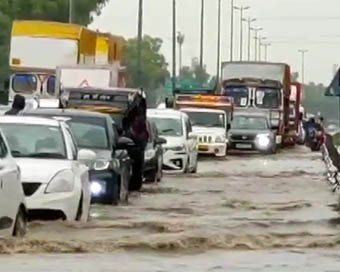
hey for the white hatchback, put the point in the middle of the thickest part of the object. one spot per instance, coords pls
(54, 174)
(13, 213)
(180, 151)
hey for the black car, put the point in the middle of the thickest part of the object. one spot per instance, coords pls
(110, 174)
(153, 156)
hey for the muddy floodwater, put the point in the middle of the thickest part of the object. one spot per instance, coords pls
(243, 213)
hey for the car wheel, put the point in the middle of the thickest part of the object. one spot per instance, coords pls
(194, 170)
(160, 170)
(20, 227)
(80, 208)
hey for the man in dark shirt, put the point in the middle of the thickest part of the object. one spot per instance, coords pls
(18, 105)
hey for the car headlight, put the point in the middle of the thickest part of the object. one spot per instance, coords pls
(149, 154)
(219, 140)
(263, 140)
(97, 188)
(101, 165)
(61, 183)
(177, 148)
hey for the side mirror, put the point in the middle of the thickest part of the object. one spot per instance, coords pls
(161, 141)
(191, 136)
(125, 143)
(86, 157)
(228, 127)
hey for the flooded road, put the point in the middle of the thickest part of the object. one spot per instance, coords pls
(244, 213)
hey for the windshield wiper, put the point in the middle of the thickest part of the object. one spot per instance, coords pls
(168, 130)
(46, 155)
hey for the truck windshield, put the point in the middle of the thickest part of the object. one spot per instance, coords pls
(207, 119)
(24, 83)
(240, 95)
(249, 122)
(267, 98)
(168, 126)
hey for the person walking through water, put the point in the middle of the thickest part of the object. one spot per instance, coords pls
(18, 105)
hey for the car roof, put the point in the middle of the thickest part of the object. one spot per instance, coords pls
(66, 112)
(165, 113)
(202, 110)
(9, 119)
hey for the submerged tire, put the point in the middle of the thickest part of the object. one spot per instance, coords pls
(20, 227)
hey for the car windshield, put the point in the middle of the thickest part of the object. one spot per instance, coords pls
(240, 95)
(168, 126)
(207, 119)
(267, 98)
(90, 132)
(35, 141)
(249, 122)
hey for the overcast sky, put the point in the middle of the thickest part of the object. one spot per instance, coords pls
(289, 24)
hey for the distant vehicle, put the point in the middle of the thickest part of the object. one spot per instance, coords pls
(260, 87)
(251, 132)
(180, 151)
(38, 47)
(153, 161)
(210, 128)
(13, 212)
(55, 174)
(97, 132)
(209, 115)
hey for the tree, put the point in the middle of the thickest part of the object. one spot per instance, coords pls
(52, 10)
(154, 65)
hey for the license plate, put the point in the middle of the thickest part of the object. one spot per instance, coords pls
(203, 148)
(244, 146)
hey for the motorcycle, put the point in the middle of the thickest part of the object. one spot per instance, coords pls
(316, 138)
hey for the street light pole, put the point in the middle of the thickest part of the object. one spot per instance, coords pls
(232, 31)
(180, 41)
(256, 30)
(249, 21)
(139, 42)
(173, 45)
(303, 52)
(70, 11)
(202, 34)
(260, 45)
(266, 45)
(241, 9)
(218, 43)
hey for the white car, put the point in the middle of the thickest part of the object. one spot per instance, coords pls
(210, 128)
(180, 151)
(54, 174)
(13, 213)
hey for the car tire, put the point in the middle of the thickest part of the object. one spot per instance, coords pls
(159, 170)
(80, 208)
(20, 227)
(194, 170)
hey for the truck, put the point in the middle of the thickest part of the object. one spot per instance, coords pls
(37, 48)
(261, 88)
(210, 116)
(295, 115)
